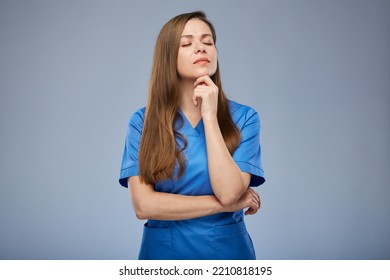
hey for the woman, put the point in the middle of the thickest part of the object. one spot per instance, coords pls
(191, 154)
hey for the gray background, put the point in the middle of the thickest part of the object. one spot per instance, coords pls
(72, 73)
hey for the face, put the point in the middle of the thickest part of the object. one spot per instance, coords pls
(197, 55)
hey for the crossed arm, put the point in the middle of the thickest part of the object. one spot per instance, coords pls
(149, 204)
(229, 184)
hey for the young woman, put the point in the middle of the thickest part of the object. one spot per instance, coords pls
(191, 154)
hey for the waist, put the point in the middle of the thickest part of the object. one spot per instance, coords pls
(219, 219)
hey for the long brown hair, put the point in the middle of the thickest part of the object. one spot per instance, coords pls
(159, 149)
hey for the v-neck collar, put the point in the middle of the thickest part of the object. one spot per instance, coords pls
(198, 128)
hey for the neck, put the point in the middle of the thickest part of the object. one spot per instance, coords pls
(186, 88)
(187, 106)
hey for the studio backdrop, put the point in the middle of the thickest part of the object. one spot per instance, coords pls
(318, 73)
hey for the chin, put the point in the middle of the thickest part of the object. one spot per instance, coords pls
(204, 73)
(197, 74)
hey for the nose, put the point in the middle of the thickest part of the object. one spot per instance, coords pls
(199, 48)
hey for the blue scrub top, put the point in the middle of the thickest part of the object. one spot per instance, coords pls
(218, 236)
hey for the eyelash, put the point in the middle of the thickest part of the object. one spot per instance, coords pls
(189, 44)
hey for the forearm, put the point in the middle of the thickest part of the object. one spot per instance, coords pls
(149, 204)
(165, 206)
(225, 176)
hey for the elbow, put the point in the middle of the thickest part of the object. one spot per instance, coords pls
(227, 200)
(140, 213)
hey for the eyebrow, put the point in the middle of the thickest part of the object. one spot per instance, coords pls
(192, 36)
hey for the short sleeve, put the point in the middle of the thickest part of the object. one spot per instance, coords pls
(129, 165)
(248, 153)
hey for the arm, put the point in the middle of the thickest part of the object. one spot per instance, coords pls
(149, 204)
(227, 180)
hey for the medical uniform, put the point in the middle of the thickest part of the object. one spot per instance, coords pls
(218, 236)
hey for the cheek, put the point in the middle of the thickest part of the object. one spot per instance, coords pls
(182, 60)
(179, 65)
(215, 63)
(214, 56)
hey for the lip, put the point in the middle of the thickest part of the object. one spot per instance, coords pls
(202, 60)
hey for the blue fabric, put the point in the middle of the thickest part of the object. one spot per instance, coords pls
(218, 236)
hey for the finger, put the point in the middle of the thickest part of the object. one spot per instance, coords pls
(257, 205)
(204, 80)
(256, 195)
(197, 97)
(250, 211)
(256, 201)
(259, 199)
(201, 84)
(195, 100)
(253, 206)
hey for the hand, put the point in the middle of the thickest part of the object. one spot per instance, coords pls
(253, 208)
(206, 95)
(250, 199)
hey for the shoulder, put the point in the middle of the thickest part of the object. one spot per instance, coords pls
(137, 119)
(242, 113)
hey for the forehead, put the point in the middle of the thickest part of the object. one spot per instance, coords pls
(196, 27)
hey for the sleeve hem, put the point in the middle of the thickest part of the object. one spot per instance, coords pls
(126, 173)
(257, 177)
